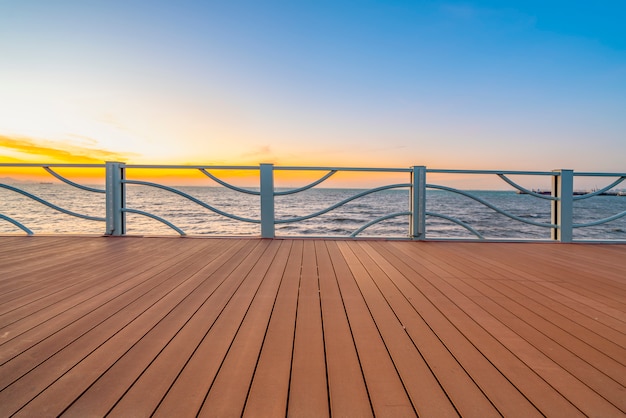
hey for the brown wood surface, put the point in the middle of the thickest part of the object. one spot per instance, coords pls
(95, 326)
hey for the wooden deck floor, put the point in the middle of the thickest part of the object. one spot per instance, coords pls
(230, 327)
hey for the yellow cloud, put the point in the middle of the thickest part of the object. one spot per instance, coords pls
(26, 149)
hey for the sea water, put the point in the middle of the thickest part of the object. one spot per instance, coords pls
(194, 219)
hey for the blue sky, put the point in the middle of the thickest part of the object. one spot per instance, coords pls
(531, 85)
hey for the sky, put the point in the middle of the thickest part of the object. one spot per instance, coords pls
(494, 85)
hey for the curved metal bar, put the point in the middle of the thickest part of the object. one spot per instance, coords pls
(53, 206)
(193, 199)
(16, 223)
(308, 186)
(71, 183)
(489, 205)
(343, 202)
(601, 221)
(597, 192)
(377, 220)
(458, 222)
(525, 190)
(155, 217)
(228, 185)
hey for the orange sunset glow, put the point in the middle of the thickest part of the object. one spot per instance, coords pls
(440, 84)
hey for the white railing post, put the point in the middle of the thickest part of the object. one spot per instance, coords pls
(115, 199)
(417, 202)
(563, 206)
(267, 200)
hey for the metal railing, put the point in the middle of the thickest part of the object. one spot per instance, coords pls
(562, 198)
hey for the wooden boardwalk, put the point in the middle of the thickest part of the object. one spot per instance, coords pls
(93, 326)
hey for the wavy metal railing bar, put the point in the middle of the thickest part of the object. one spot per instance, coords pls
(377, 220)
(601, 221)
(193, 199)
(71, 183)
(561, 209)
(51, 205)
(158, 218)
(16, 223)
(343, 202)
(491, 206)
(458, 222)
(307, 187)
(603, 190)
(228, 185)
(525, 190)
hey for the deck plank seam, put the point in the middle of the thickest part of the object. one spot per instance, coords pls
(447, 347)
(111, 337)
(345, 248)
(115, 297)
(261, 282)
(565, 351)
(345, 312)
(483, 329)
(121, 282)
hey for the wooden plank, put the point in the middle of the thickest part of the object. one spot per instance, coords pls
(610, 341)
(386, 391)
(593, 348)
(580, 395)
(29, 254)
(227, 396)
(161, 373)
(591, 302)
(308, 395)
(85, 360)
(346, 386)
(610, 295)
(442, 345)
(189, 388)
(208, 325)
(43, 320)
(426, 366)
(603, 375)
(551, 278)
(54, 336)
(561, 322)
(269, 390)
(598, 323)
(54, 266)
(410, 260)
(111, 386)
(148, 391)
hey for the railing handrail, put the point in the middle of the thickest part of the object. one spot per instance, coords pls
(509, 172)
(562, 195)
(320, 168)
(52, 165)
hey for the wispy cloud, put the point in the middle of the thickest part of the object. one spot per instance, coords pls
(263, 152)
(30, 149)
